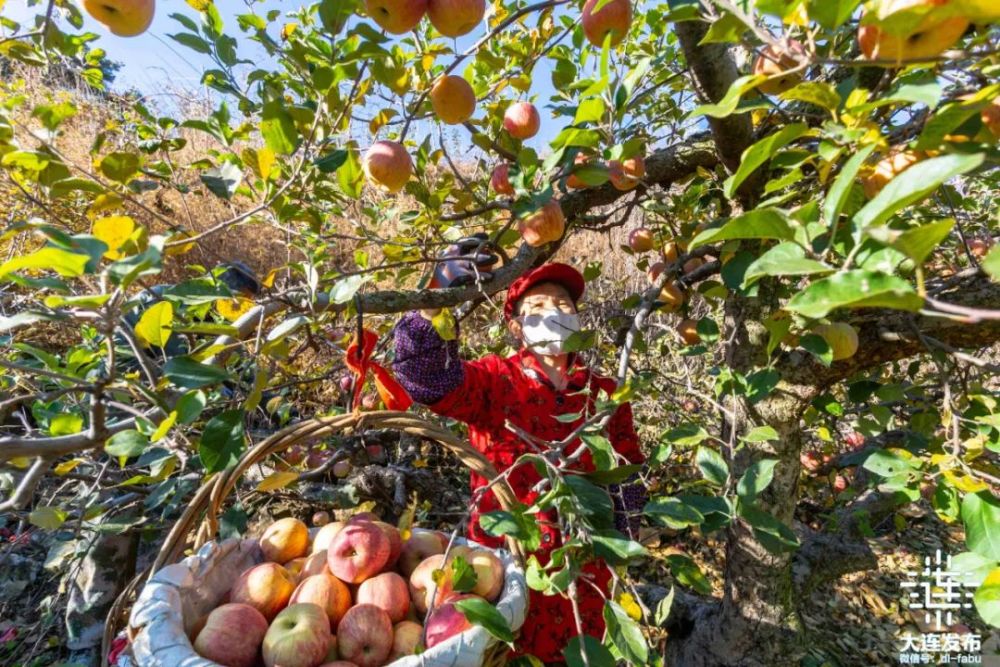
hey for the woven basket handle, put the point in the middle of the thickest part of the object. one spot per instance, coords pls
(209, 499)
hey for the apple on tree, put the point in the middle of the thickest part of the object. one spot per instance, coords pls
(396, 16)
(841, 337)
(544, 225)
(521, 120)
(454, 18)
(614, 17)
(626, 174)
(500, 180)
(775, 61)
(125, 18)
(640, 240)
(453, 99)
(930, 37)
(388, 164)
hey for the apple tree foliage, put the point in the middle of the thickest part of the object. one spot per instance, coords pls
(789, 196)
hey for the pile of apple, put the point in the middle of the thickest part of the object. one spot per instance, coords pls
(354, 594)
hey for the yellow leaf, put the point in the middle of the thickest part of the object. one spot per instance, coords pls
(380, 119)
(288, 30)
(265, 161)
(427, 61)
(67, 466)
(630, 606)
(268, 281)
(200, 5)
(965, 483)
(823, 433)
(277, 480)
(164, 427)
(21, 462)
(179, 249)
(405, 524)
(102, 203)
(521, 82)
(233, 309)
(153, 327)
(114, 231)
(797, 16)
(419, 463)
(49, 518)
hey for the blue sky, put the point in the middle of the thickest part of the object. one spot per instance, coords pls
(155, 64)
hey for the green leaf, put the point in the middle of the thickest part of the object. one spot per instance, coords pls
(463, 575)
(68, 264)
(153, 328)
(590, 111)
(673, 513)
(47, 518)
(712, 465)
(190, 406)
(517, 524)
(687, 573)
(817, 346)
(784, 259)
(990, 264)
(120, 166)
(614, 475)
(981, 516)
(615, 548)
(916, 243)
(222, 181)
(840, 191)
(773, 534)
(65, 424)
(762, 151)
(987, 599)
(278, 128)
(913, 185)
(481, 612)
(727, 105)
(597, 654)
(222, 441)
(761, 434)
(193, 42)
(756, 478)
(126, 443)
(832, 13)
(332, 161)
(625, 634)
(594, 501)
(726, 30)
(855, 289)
(686, 435)
(973, 567)
(188, 373)
(765, 223)
(885, 463)
(601, 450)
(818, 93)
(350, 176)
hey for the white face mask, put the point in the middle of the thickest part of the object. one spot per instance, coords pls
(548, 331)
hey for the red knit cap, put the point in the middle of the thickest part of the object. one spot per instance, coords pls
(555, 272)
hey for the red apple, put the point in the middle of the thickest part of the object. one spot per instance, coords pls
(574, 182)
(347, 383)
(691, 265)
(314, 564)
(614, 17)
(325, 535)
(522, 120)
(654, 271)
(359, 551)
(839, 483)
(544, 225)
(422, 543)
(232, 635)
(320, 519)
(396, 16)
(387, 591)
(489, 573)
(423, 588)
(342, 469)
(363, 516)
(284, 540)
(328, 592)
(389, 165)
(298, 637)
(626, 174)
(405, 639)
(364, 636)
(500, 179)
(640, 240)
(688, 331)
(447, 621)
(454, 18)
(452, 98)
(265, 587)
(927, 39)
(776, 59)
(395, 543)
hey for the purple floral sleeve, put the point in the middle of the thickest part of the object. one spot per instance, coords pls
(628, 499)
(427, 366)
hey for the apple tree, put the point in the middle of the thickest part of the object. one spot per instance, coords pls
(817, 188)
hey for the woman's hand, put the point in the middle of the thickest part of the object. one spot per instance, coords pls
(467, 258)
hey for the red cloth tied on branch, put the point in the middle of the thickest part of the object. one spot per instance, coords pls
(390, 391)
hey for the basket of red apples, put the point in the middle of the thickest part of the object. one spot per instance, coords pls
(356, 592)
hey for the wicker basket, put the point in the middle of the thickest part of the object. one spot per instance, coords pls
(172, 599)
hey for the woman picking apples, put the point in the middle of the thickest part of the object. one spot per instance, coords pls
(530, 389)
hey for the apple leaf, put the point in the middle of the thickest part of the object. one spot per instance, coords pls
(855, 289)
(463, 575)
(481, 612)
